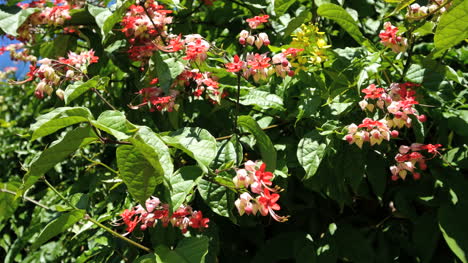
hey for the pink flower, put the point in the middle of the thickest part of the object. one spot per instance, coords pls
(257, 20)
(389, 38)
(244, 204)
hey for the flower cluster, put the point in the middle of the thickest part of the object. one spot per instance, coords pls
(369, 131)
(18, 52)
(196, 48)
(390, 38)
(434, 7)
(259, 40)
(144, 25)
(256, 21)
(307, 48)
(52, 16)
(182, 218)
(398, 102)
(53, 72)
(255, 177)
(6, 72)
(409, 160)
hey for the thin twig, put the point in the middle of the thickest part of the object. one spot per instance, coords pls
(26, 198)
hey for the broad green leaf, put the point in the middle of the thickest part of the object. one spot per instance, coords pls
(196, 142)
(115, 17)
(267, 150)
(217, 197)
(452, 223)
(101, 14)
(12, 18)
(149, 258)
(58, 151)
(58, 226)
(8, 204)
(189, 250)
(154, 150)
(310, 152)
(376, 171)
(167, 69)
(137, 172)
(418, 128)
(262, 99)
(281, 6)
(115, 123)
(339, 15)
(182, 183)
(453, 27)
(226, 153)
(58, 119)
(76, 89)
(302, 18)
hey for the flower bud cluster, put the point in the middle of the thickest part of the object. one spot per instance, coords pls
(307, 48)
(417, 12)
(142, 25)
(259, 40)
(398, 102)
(183, 218)
(199, 84)
(390, 38)
(369, 131)
(255, 177)
(52, 72)
(18, 52)
(52, 16)
(410, 160)
(7, 71)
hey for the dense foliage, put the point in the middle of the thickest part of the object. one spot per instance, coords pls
(235, 131)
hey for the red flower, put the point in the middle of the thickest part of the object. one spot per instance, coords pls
(372, 92)
(257, 20)
(127, 218)
(262, 176)
(197, 220)
(268, 201)
(235, 66)
(431, 148)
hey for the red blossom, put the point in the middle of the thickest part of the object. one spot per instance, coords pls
(263, 176)
(257, 20)
(431, 148)
(235, 66)
(372, 92)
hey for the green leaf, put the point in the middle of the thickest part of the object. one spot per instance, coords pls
(453, 27)
(310, 152)
(116, 16)
(8, 204)
(376, 171)
(148, 258)
(189, 250)
(115, 123)
(418, 128)
(262, 99)
(267, 150)
(302, 18)
(167, 69)
(339, 15)
(154, 150)
(281, 6)
(138, 174)
(58, 119)
(196, 142)
(12, 18)
(57, 226)
(100, 14)
(58, 151)
(76, 89)
(217, 197)
(452, 223)
(182, 183)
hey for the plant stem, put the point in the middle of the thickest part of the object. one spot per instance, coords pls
(87, 217)
(410, 54)
(58, 193)
(117, 235)
(26, 198)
